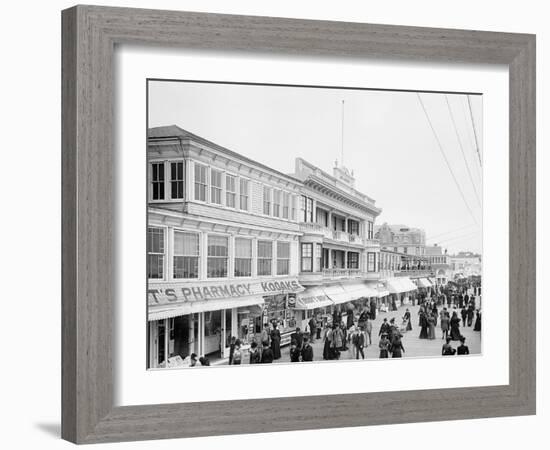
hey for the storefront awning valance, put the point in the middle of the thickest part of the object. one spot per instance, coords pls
(398, 285)
(169, 293)
(424, 283)
(159, 312)
(312, 298)
(172, 299)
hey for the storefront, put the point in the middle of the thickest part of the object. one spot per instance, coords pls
(399, 289)
(202, 318)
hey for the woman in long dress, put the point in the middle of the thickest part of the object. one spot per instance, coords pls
(431, 327)
(328, 342)
(477, 324)
(397, 348)
(276, 342)
(444, 320)
(455, 327)
(384, 346)
(407, 318)
(423, 326)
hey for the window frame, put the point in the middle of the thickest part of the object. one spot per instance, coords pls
(279, 259)
(217, 188)
(369, 262)
(229, 193)
(263, 258)
(302, 257)
(162, 182)
(250, 242)
(209, 257)
(171, 180)
(245, 195)
(174, 255)
(196, 183)
(162, 254)
(267, 192)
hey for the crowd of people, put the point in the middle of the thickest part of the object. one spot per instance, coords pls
(450, 310)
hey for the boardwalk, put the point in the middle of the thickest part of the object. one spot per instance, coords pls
(414, 347)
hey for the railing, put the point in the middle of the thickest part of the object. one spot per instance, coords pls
(422, 272)
(337, 235)
(337, 272)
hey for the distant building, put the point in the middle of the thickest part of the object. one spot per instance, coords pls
(403, 239)
(440, 263)
(465, 264)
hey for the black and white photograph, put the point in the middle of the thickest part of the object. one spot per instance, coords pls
(311, 224)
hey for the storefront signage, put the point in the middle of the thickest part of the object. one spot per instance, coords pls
(172, 292)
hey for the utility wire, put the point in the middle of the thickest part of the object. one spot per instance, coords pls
(470, 139)
(462, 149)
(449, 232)
(459, 237)
(445, 157)
(474, 128)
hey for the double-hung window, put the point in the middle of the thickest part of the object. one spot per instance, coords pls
(371, 262)
(155, 252)
(283, 258)
(216, 187)
(243, 194)
(370, 230)
(243, 257)
(318, 257)
(286, 205)
(307, 209)
(186, 255)
(267, 200)
(201, 182)
(353, 260)
(276, 203)
(265, 256)
(157, 181)
(307, 258)
(176, 180)
(230, 191)
(217, 256)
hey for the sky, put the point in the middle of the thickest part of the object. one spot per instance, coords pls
(414, 153)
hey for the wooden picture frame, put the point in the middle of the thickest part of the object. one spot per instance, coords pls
(89, 37)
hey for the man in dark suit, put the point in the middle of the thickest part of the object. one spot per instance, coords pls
(297, 337)
(312, 328)
(307, 351)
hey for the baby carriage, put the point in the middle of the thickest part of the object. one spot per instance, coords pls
(403, 326)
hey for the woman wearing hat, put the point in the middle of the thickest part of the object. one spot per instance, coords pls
(384, 345)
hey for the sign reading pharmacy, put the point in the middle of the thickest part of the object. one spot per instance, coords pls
(167, 292)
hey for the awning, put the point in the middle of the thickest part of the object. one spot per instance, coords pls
(398, 285)
(312, 298)
(359, 289)
(379, 288)
(159, 312)
(337, 294)
(424, 283)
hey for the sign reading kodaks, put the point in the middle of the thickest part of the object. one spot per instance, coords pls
(179, 292)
